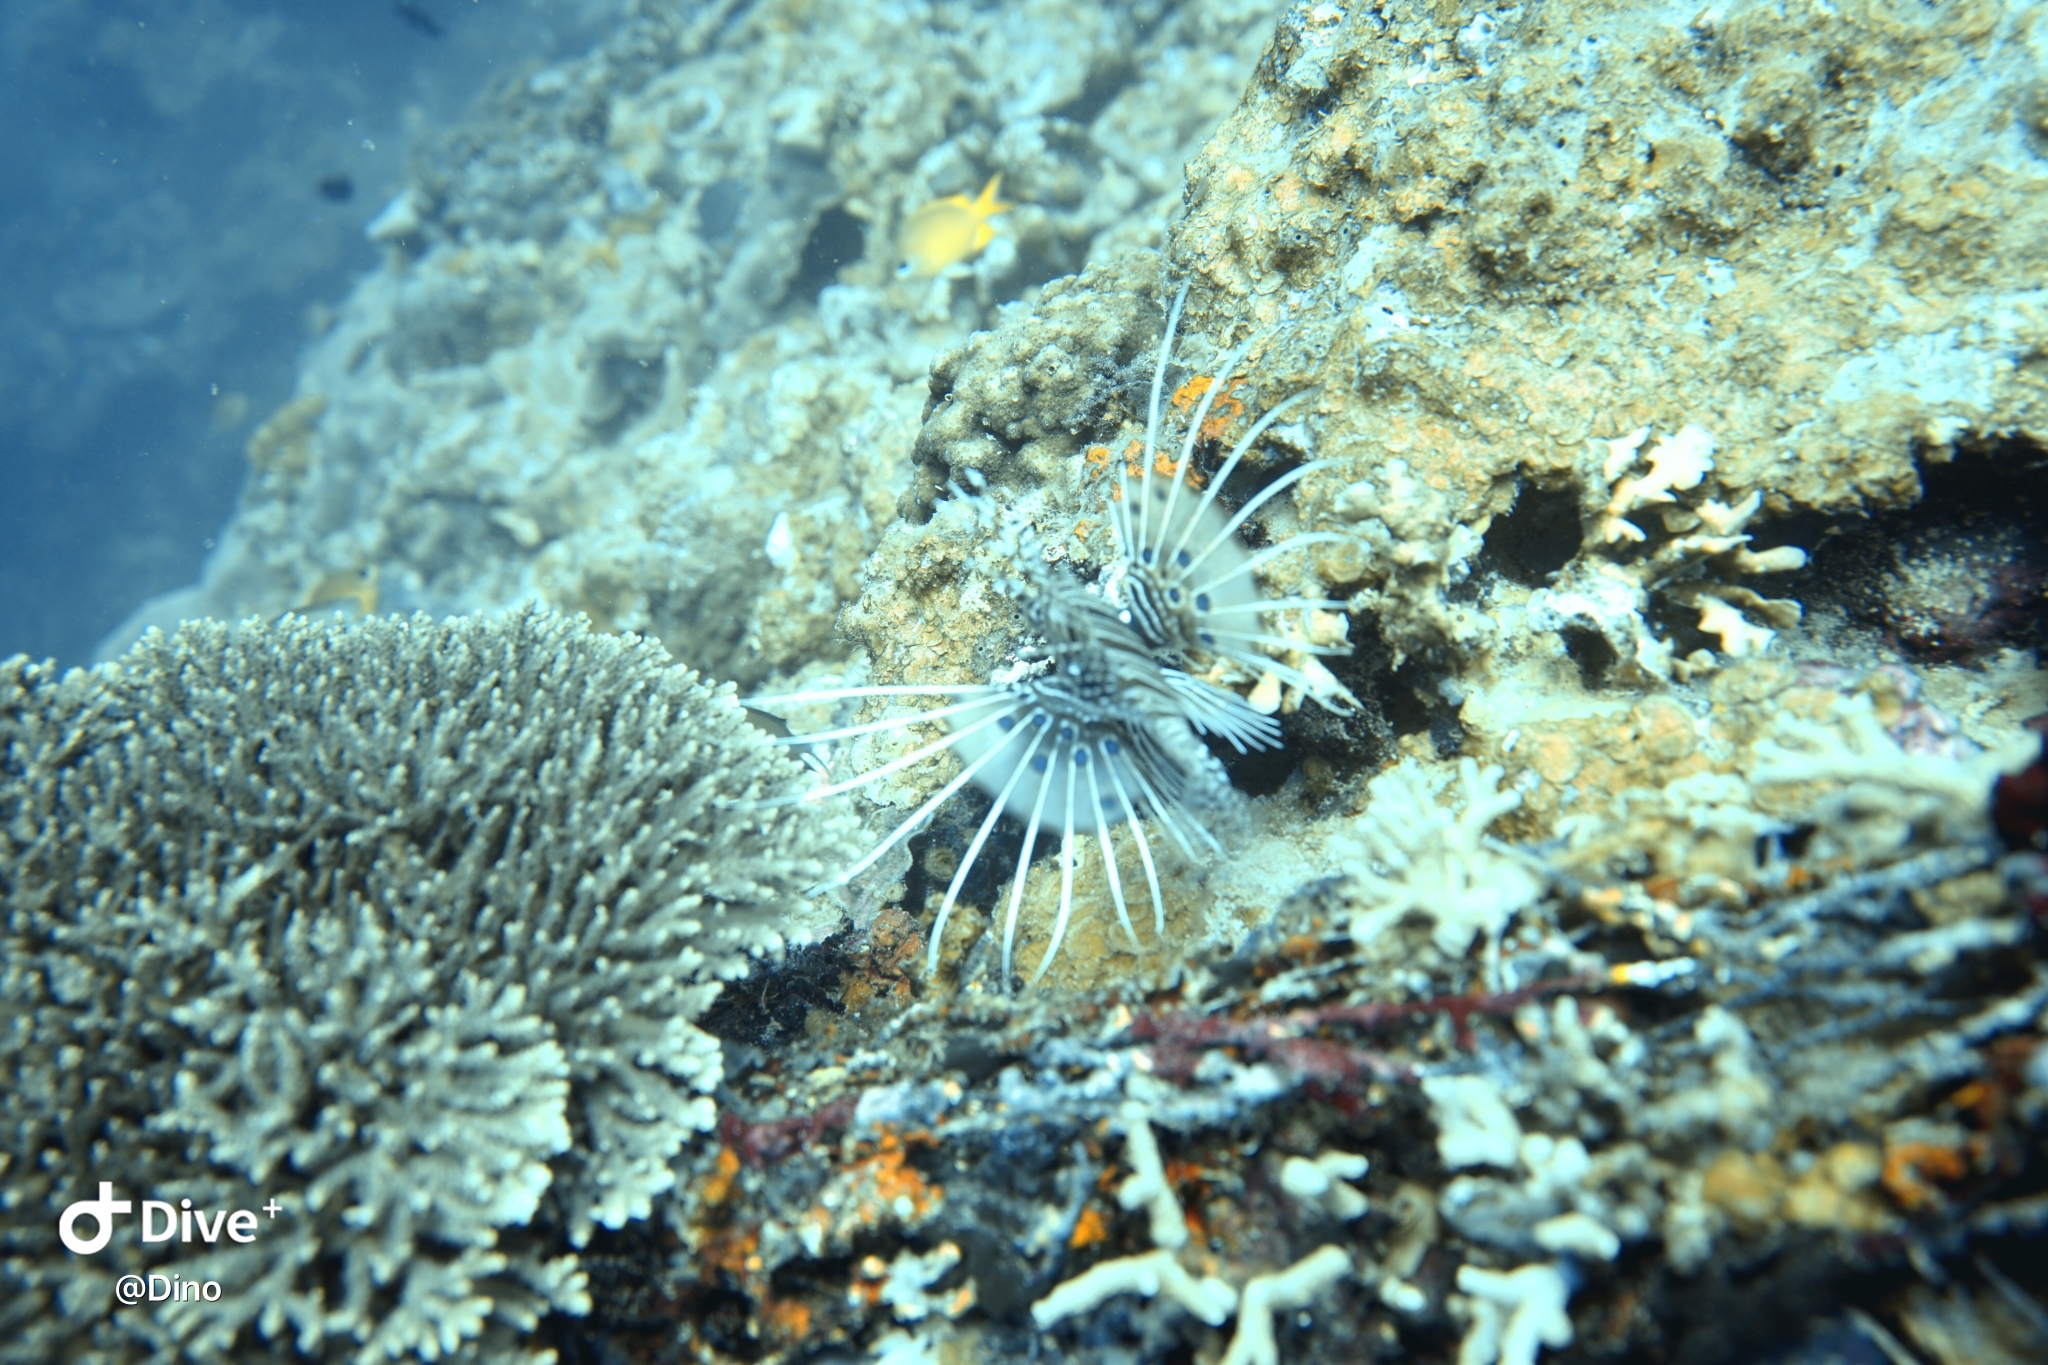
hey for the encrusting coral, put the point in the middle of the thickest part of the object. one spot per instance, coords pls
(401, 925)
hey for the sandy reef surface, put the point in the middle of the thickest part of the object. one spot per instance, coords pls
(1641, 969)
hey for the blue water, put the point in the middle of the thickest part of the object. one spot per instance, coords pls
(166, 227)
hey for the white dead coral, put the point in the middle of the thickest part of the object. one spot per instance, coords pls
(1159, 1274)
(1514, 1313)
(905, 1284)
(1149, 1275)
(1298, 1286)
(1146, 1187)
(1153, 1273)
(1319, 1184)
(1410, 854)
(1474, 1124)
(1414, 549)
(1676, 463)
(1702, 549)
(1867, 796)
(1562, 1197)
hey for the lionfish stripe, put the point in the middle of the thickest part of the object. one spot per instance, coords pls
(961, 779)
(1144, 852)
(1152, 418)
(1258, 500)
(1273, 552)
(1124, 523)
(1293, 677)
(1194, 434)
(1214, 711)
(923, 751)
(989, 696)
(1024, 862)
(843, 693)
(1116, 886)
(1158, 808)
(1281, 642)
(1229, 466)
(1059, 928)
(1282, 604)
(995, 812)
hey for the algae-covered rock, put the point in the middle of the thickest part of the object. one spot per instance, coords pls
(1536, 259)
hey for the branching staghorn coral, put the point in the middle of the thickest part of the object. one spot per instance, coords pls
(1410, 855)
(403, 925)
(1699, 547)
(1869, 796)
(1159, 1273)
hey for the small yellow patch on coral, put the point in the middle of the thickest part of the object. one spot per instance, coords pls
(1134, 465)
(876, 1190)
(718, 1186)
(1224, 410)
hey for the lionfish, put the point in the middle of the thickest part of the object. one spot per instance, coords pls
(1099, 723)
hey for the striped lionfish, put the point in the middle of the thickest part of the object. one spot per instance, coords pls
(1099, 723)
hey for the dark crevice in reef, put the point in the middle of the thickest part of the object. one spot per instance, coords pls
(1393, 702)
(629, 1293)
(1591, 651)
(837, 239)
(935, 855)
(625, 383)
(1743, 1312)
(1068, 122)
(1259, 773)
(767, 1008)
(1956, 577)
(1534, 539)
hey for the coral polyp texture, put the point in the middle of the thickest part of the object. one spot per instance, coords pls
(400, 925)
(1610, 442)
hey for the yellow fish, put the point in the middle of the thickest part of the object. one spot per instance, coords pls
(354, 586)
(948, 231)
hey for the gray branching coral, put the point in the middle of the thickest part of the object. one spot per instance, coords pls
(403, 925)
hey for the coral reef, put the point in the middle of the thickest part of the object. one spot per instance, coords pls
(1653, 923)
(637, 314)
(401, 926)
